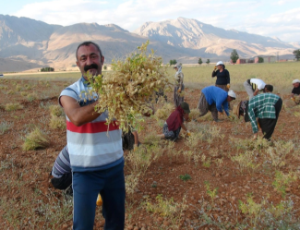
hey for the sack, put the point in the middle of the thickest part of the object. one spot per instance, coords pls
(128, 141)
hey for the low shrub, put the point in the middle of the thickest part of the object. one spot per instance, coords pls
(36, 139)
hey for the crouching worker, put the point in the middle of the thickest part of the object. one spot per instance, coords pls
(215, 99)
(266, 108)
(62, 174)
(175, 122)
(253, 86)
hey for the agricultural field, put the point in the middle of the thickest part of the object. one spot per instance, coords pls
(217, 178)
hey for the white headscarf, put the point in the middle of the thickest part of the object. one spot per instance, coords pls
(179, 68)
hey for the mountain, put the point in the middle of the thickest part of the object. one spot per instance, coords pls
(193, 34)
(27, 43)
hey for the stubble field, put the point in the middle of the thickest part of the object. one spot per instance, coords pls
(218, 178)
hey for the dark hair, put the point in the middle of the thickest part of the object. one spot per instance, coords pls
(269, 88)
(87, 43)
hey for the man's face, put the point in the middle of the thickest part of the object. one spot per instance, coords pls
(89, 60)
(219, 67)
(229, 99)
(296, 85)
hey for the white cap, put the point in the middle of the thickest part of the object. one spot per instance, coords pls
(296, 81)
(231, 94)
(219, 63)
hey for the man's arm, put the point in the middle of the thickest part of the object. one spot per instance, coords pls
(78, 115)
(255, 92)
(228, 77)
(225, 107)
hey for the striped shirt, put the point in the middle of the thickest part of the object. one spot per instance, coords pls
(93, 146)
(262, 106)
(62, 164)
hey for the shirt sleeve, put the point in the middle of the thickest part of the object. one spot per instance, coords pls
(220, 102)
(214, 73)
(68, 92)
(252, 117)
(294, 91)
(225, 107)
(227, 77)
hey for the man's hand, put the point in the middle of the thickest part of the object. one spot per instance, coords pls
(254, 136)
(188, 133)
(228, 86)
(179, 90)
(215, 68)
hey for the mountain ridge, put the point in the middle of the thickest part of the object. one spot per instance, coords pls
(33, 41)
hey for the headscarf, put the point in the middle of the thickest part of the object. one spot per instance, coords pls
(175, 120)
(179, 68)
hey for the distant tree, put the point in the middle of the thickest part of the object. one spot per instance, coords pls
(260, 60)
(105, 67)
(207, 61)
(234, 56)
(297, 54)
(200, 61)
(173, 62)
(47, 69)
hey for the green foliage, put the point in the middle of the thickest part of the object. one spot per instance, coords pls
(36, 139)
(173, 62)
(297, 54)
(13, 106)
(185, 177)
(47, 69)
(211, 192)
(4, 126)
(207, 61)
(282, 181)
(260, 60)
(234, 56)
(105, 67)
(252, 209)
(200, 61)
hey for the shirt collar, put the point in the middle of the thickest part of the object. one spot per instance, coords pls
(84, 82)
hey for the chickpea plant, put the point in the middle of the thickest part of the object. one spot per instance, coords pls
(125, 91)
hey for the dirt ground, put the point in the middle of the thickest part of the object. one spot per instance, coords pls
(28, 201)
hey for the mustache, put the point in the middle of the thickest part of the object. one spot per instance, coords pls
(92, 66)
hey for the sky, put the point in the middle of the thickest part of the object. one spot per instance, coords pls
(273, 18)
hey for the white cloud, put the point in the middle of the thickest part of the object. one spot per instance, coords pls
(253, 16)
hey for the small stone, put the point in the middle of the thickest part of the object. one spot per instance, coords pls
(130, 227)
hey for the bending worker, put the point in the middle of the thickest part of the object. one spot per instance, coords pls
(253, 86)
(214, 99)
(266, 107)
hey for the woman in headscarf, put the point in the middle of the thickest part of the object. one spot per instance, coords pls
(174, 123)
(179, 86)
(223, 77)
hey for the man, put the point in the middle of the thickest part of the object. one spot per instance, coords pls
(214, 99)
(266, 107)
(296, 89)
(223, 76)
(96, 155)
(253, 86)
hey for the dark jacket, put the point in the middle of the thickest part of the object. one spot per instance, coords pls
(223, 78)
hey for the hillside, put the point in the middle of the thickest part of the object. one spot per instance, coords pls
(30, 41)
(193, 34)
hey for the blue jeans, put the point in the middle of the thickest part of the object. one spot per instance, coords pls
(110, 183)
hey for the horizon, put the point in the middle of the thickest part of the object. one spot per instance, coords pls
(279, 19)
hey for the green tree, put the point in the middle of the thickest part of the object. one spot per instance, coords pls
(207, 61)
(297, 54)
(200, 61)
(105, 67)
(47, 69)
(234, 56)
(260, 60)
(173, 62)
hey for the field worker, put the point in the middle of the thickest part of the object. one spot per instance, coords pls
(215, 99)
(95, 149)
(296, 89)
(223, 76)
(253, 86)
(179, 86)
(266, 108)
(175, 122)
